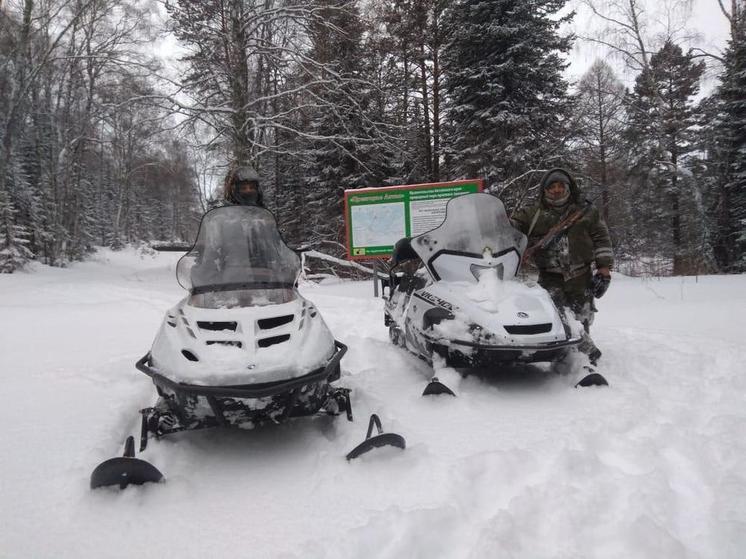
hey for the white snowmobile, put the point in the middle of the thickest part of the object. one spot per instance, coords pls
(242, 349)
(465, 304)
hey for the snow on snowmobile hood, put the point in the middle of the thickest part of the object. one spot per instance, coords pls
(238, 248)
(475, 236)
(241, 345)
(493, 304)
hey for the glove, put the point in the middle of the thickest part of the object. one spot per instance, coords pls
(599, 285)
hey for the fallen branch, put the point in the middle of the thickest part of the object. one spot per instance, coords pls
(337, 261)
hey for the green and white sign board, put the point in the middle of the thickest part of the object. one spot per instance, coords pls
(377, 218)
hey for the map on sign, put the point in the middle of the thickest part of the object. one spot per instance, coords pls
(378, 224)
(378, 217)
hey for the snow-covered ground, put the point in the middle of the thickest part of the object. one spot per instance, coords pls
(516, 466)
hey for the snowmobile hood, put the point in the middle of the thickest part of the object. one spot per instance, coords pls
(504, 312)
(243, 344)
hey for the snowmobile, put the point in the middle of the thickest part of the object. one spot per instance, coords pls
(243, 348)
(463, 304)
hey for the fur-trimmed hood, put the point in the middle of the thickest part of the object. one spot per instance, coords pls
(575, 194)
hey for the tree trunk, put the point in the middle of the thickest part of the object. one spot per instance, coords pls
(436, 92)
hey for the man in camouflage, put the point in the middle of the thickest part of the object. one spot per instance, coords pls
(564, 263)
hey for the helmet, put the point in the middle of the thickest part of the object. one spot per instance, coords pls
(238, 176)
(245, 173)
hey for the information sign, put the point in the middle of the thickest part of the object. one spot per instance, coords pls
(378, 217)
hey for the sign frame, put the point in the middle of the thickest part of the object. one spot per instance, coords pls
(388, 189)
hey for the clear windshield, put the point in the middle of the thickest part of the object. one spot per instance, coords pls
(475, 236)
(238, 248)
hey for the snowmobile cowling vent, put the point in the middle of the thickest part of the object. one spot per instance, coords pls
(233, 343)
(217, 326)
(189, 355)
(266, 342)
(274, 322)
(529, 328)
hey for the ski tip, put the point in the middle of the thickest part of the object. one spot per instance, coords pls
(435, 387)
(379, 440)
(124, 471)
(384, 439)
(593, 379)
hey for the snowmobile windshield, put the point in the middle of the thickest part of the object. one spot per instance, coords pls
(238, 249)
(476, 236)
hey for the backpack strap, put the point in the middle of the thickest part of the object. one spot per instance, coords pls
(533, 222)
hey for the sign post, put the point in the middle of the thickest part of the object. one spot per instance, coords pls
(376, 218)
(375, 279)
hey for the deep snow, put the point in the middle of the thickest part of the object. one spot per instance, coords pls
(516, 466)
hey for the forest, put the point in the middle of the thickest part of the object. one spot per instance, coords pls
(102, 143)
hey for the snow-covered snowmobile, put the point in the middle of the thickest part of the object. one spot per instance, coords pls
(243, 348)
(464, 303)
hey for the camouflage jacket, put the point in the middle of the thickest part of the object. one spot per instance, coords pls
(571, 252)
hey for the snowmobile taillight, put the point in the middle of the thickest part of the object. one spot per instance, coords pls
(217, 326)
(527, 329)
(266, 342)
(274, 322)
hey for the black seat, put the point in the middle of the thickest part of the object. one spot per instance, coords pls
(403, 252)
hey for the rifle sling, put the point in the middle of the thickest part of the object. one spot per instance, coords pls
(562, 226)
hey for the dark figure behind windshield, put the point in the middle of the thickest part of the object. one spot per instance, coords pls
(239, 246)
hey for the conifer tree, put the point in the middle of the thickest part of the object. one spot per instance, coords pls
(349, 147)
(507, 97)
(600, 128)
(14, 238)
(730, 153)
(662, 136)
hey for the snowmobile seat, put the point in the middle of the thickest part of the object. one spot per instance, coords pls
(403, 252)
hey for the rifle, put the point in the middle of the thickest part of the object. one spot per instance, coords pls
(559, 228)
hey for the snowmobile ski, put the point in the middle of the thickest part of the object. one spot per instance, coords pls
(435, 387)
(379, 440)
(125, 470)
(592, 379)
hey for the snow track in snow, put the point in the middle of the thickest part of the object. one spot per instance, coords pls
(520, 465)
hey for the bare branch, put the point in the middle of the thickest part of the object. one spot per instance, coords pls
(725, 12)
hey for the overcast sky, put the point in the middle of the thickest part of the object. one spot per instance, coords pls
(706, 28)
